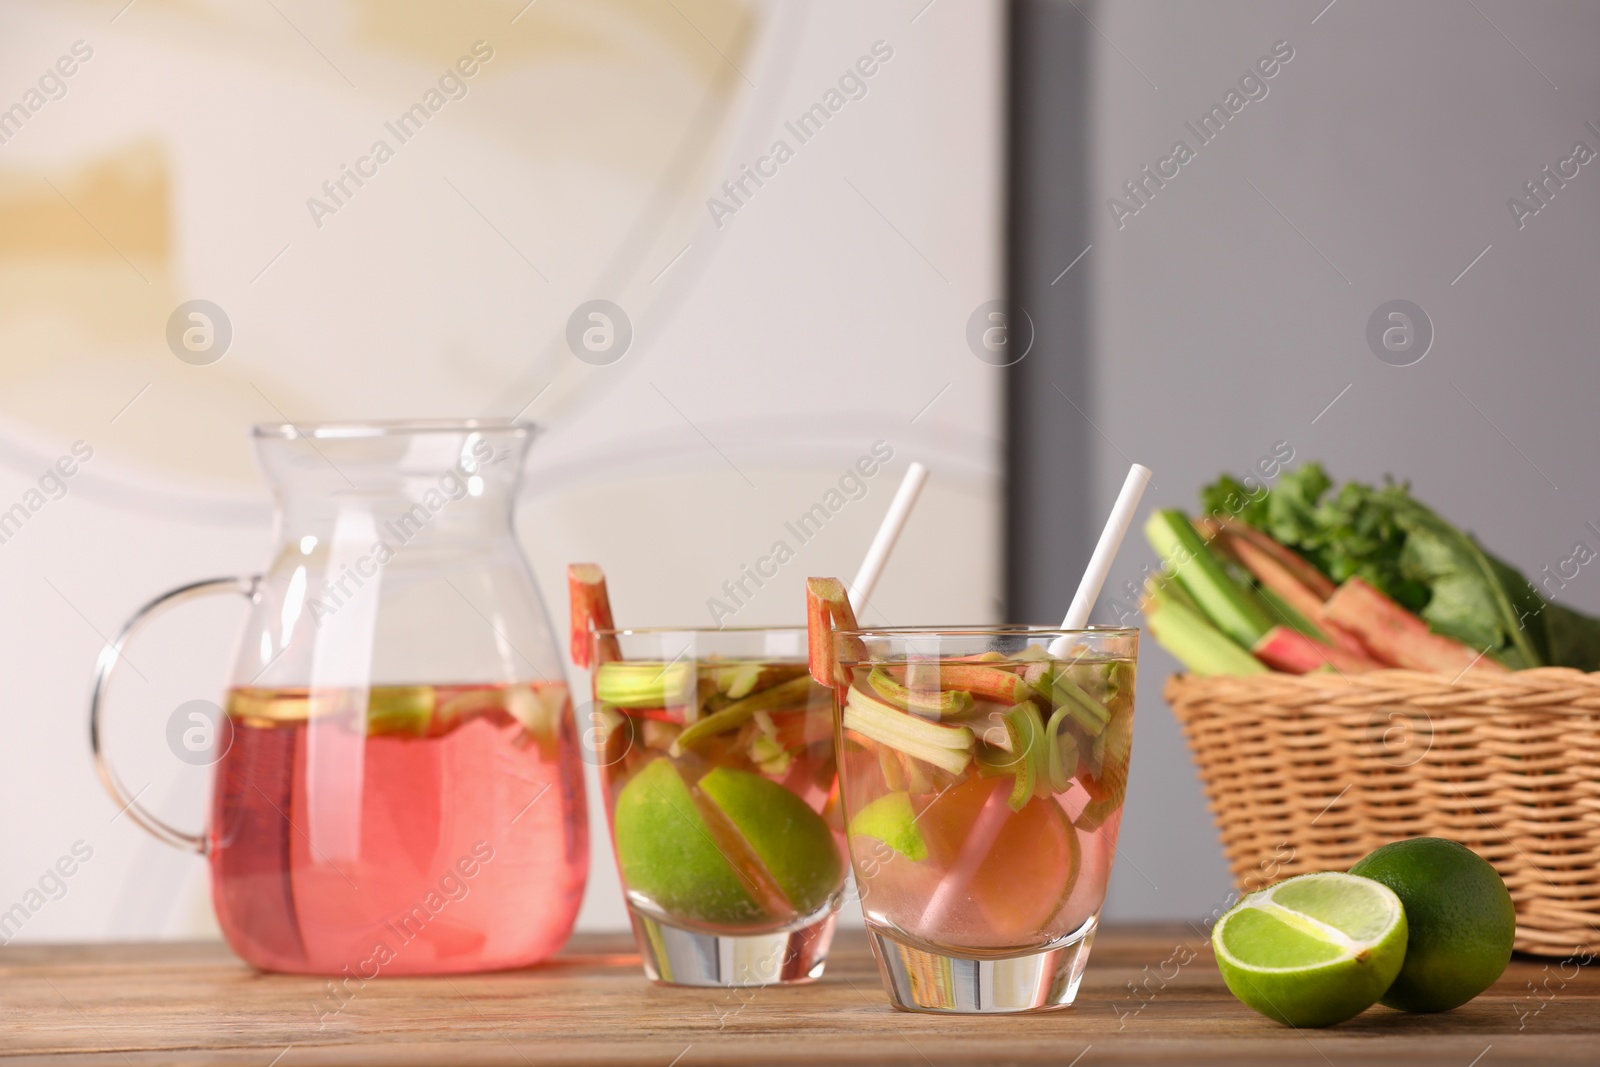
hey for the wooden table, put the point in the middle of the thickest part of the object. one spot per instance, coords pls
(195, 1003)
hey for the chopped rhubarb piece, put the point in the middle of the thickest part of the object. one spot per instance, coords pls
(992, 761)
(1061, 751)
(894, 772)
(936, 703)
(1103, 767)
(766, 750)
(827, 609)
(1026, 727)
(591, 611)
(739, 680)
(984, 682)
(790, 694)
(1293, 652)
(946, 747)
(645, 684)
(1394, 635)
(923, 777)
(1086, 711)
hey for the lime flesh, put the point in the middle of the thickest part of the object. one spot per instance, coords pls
(892, 820)
(793, 842)
(666, 851)
(1461, 917)
(762, 857)
(1313, 950)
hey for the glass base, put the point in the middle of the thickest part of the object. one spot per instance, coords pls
(920, 979)
(679, 956)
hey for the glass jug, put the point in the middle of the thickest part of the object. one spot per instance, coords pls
(397, 787)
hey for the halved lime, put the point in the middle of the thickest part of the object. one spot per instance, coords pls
(752, 854)
(1313, 950)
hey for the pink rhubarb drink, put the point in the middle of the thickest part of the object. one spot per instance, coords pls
(983, 781)
(721, 787)
(401, 829)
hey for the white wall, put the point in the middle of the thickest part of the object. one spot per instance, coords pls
(818, 319)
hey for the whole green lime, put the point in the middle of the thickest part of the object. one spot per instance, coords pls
(1461, 918)
(746, 852)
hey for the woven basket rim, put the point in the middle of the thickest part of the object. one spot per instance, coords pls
(1556, 692)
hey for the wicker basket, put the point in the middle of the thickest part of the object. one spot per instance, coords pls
(1311, 772)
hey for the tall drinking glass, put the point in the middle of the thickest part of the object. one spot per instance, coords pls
(717, 758)
(982, 783)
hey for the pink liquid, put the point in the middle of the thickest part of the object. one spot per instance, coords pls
(442, 833)
(790, 745)
(985, 874)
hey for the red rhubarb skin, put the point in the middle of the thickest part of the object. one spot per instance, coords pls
(1394, 635)
(1293, 652)
(590, 611)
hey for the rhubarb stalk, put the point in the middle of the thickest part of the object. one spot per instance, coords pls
(1236, 610)
(1293, 652)
(827, 609)
(590, 611)
(1185, 632)
(1396, 636)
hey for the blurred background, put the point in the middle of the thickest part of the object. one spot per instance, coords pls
(1197, 324)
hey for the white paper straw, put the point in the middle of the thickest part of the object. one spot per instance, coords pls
(991, 818)
(1105, 553)
(888, 533)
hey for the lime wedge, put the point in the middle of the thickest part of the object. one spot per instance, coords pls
(1313, 950)
(890, 819)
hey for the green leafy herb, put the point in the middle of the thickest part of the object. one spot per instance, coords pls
(1404, 548)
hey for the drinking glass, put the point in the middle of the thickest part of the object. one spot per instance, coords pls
(982, 782)
(397, 786)
(716, 754)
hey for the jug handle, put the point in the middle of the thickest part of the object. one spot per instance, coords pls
(109, 657)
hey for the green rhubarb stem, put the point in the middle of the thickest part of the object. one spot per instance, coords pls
(628, 684)
(1293, 617)
(1088, 712)
(1062, 754)
(946, 747)
(1187, 634)
(941, 704)
(1236, 610)
(787, 695)
(1026, 728)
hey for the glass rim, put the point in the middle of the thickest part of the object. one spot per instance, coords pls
(345, 429)
(647, 631)
(1021, 629)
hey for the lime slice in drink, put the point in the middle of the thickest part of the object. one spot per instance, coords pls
(733, 849)
(892, 820)
(790, 840)
(667, 851)
(1003, 883)
(1313, 950)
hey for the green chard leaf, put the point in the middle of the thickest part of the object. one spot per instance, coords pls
(1387, 537)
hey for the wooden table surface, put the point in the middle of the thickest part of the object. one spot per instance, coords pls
(190, 1003)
